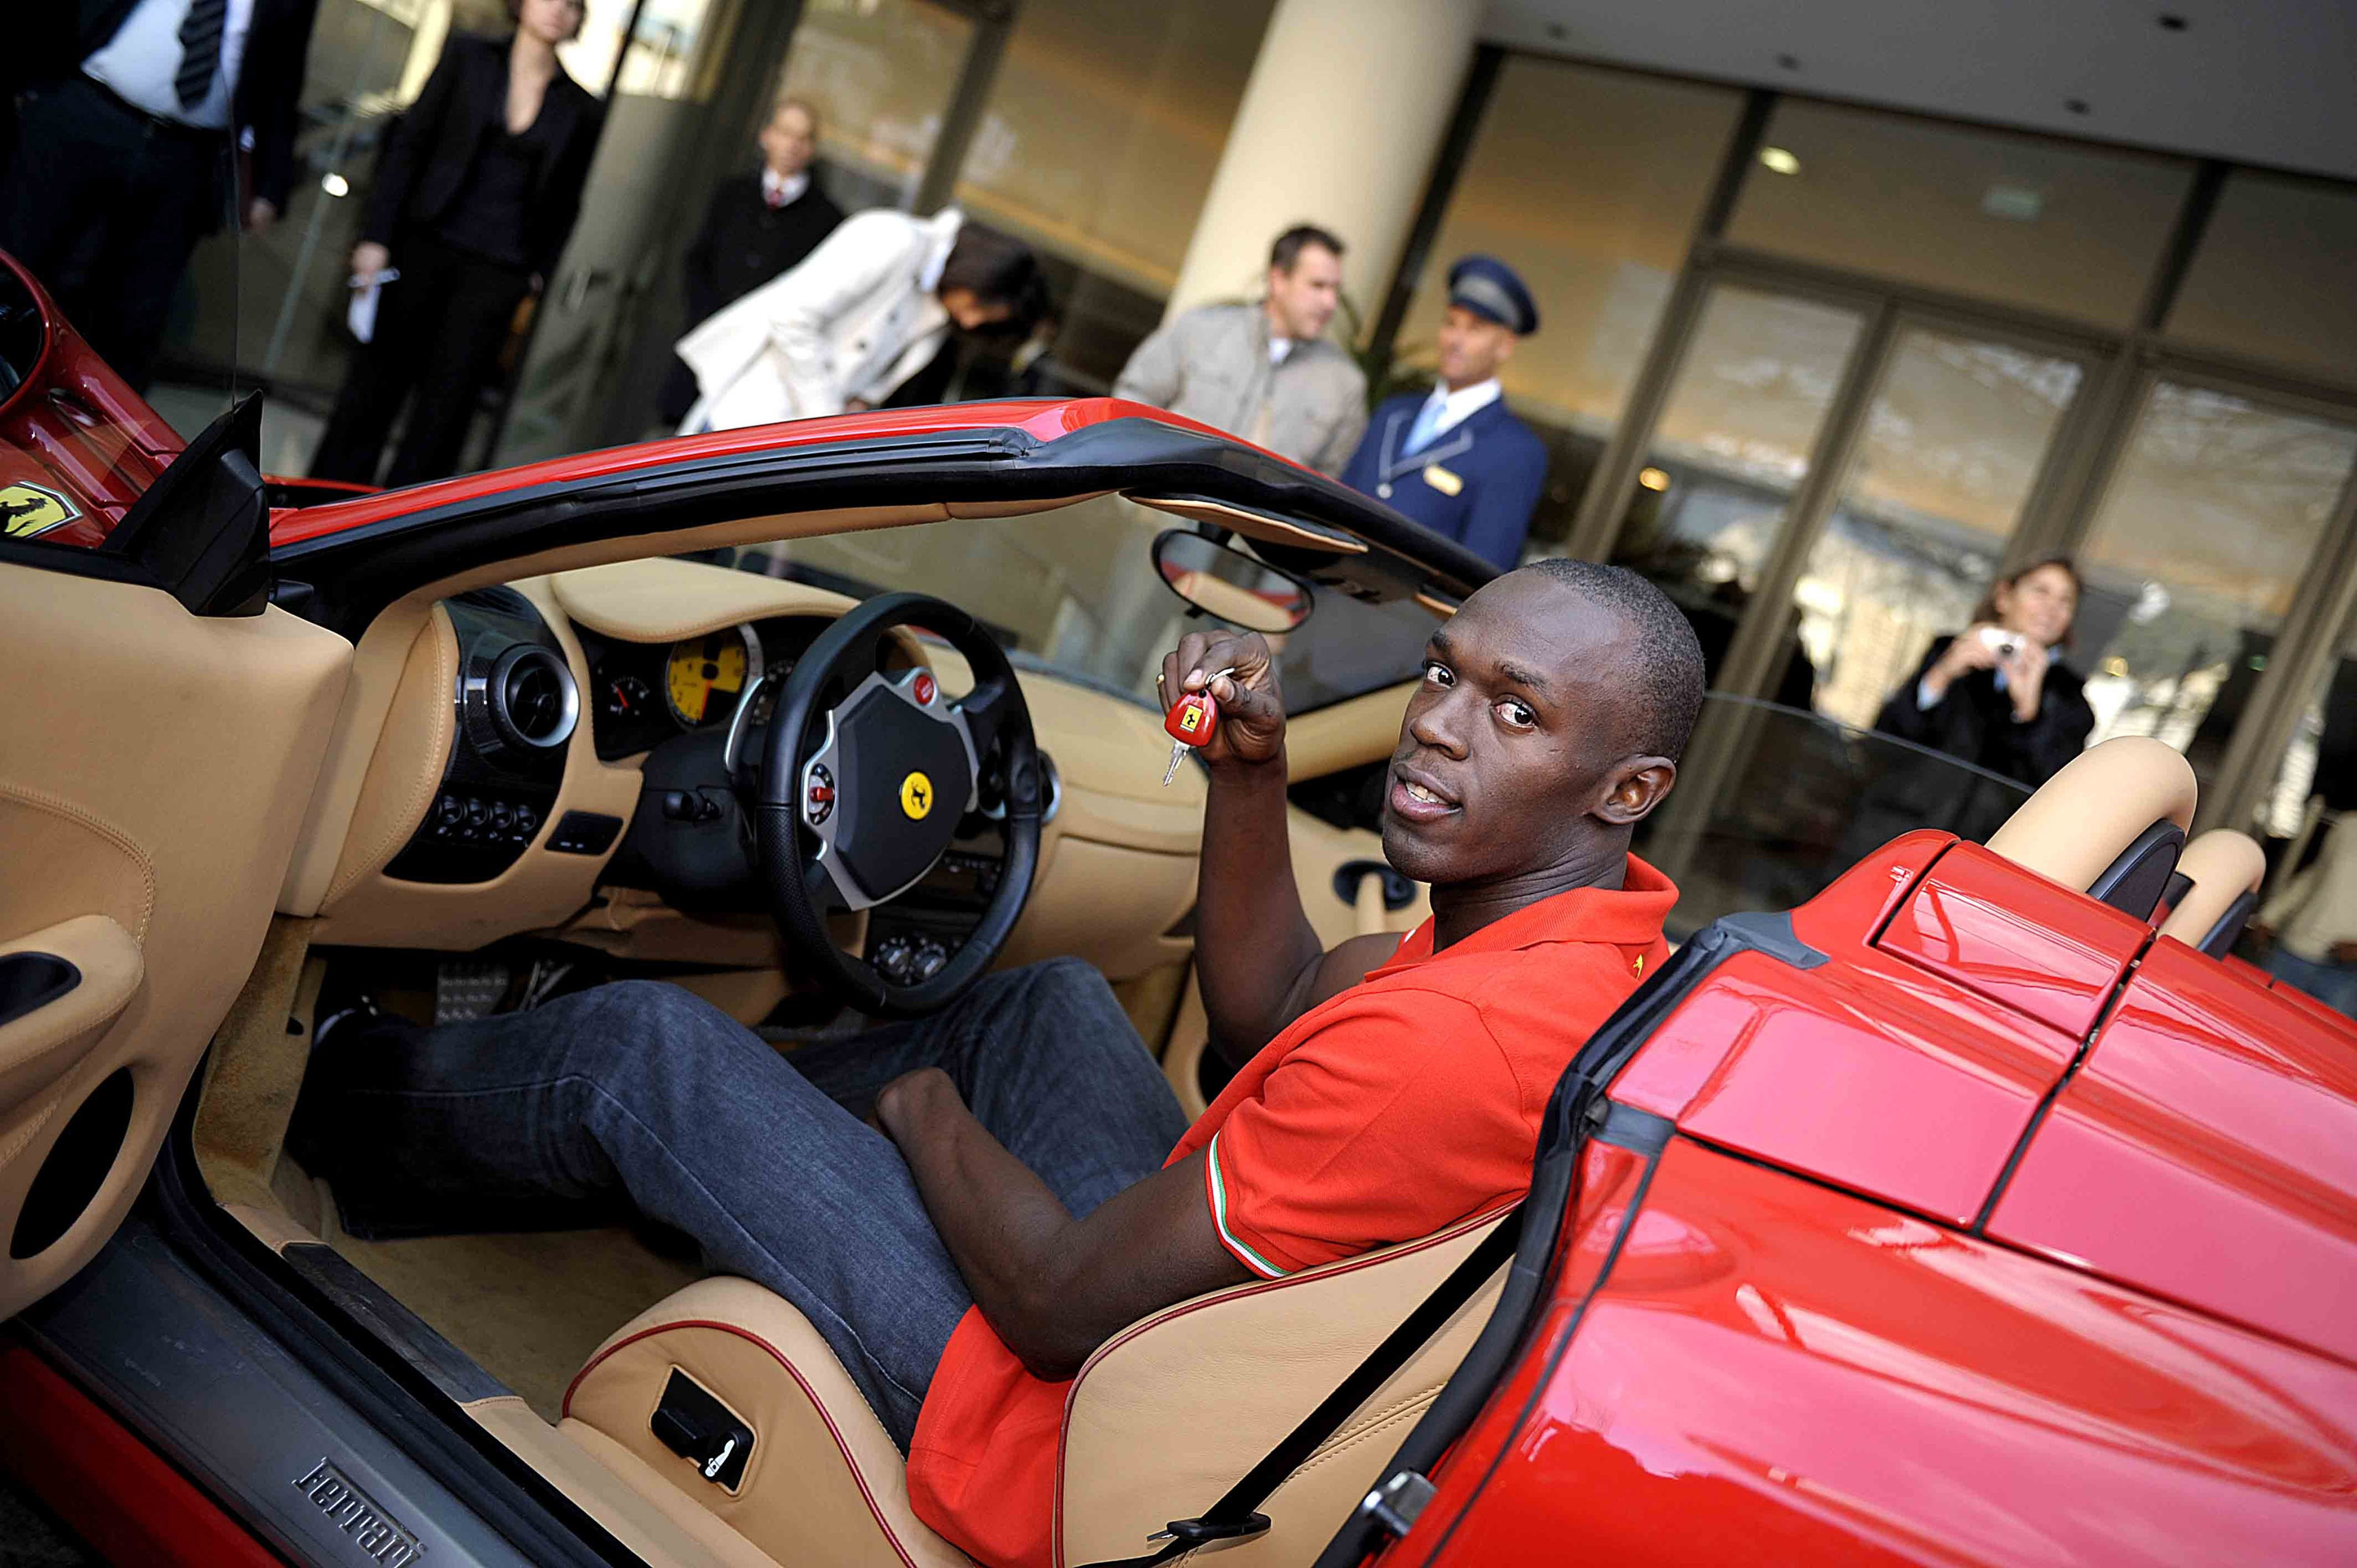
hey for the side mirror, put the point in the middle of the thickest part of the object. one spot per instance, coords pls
(1219, 580)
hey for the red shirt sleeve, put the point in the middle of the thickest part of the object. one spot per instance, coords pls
(1401, 1115)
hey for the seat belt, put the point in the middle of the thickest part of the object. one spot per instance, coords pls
(1235, 1517)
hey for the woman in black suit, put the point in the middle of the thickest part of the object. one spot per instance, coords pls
(1996, 693)
(475, 197)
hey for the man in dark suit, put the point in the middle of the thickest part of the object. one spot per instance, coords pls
(759, 224)
(1456, 461)
(126, 115)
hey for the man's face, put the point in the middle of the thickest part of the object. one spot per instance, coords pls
(1305, 299)
(1472, 348)
(1513, 738)
(788, 141)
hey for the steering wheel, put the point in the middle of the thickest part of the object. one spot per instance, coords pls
(862, 781)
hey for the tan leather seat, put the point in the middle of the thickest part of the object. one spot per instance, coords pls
(2091, 812)
(2223, 865)
(1163, 1418)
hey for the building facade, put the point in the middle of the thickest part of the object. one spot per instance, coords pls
(1820, 366)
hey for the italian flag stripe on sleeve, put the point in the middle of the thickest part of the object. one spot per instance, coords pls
(1219, 1190)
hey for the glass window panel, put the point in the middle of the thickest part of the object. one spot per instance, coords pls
(2321, 758)
(2276, 276)
(1953, 443)
(1104, 126)
(2207, 528)
(1075, 589)
(1589, 181)
(284, 291)
(2062, 226)
(1732, 445)
(1102, 130)
(881, 72)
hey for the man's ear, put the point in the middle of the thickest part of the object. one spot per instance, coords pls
(1639, 785)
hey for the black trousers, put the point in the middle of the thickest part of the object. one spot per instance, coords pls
(439, 329)
(105, 204)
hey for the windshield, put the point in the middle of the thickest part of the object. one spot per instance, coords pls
(1075, 592)
(1773, 803)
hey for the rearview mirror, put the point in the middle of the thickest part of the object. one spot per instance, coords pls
(1219, 580)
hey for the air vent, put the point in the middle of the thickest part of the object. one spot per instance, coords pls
(533, 701)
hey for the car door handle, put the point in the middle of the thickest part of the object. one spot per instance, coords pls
(60, 987)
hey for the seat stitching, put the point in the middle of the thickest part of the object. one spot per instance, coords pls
(57, 805)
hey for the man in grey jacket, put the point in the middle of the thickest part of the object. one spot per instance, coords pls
(1264, 370)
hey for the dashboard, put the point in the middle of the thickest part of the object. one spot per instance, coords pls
(641, 694)
(534, 771)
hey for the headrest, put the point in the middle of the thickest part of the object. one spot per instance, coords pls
(2084, 818)
(2226, 868)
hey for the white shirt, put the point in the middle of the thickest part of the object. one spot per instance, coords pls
(139, 62)
(1279, 347)
(780, 192)
(1456, 407)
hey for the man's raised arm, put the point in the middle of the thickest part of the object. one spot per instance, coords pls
(1257, 960)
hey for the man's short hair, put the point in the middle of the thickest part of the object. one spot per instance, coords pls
(1287, 249)
(1666, 656)
(795, 100)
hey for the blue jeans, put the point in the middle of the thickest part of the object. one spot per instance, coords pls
(641, 1096)
(2334, 984)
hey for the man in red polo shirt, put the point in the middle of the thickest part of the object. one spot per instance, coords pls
(1036, 1188)
(1385, 1089)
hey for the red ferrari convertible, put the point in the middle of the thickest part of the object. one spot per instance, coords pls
(1978, 1209)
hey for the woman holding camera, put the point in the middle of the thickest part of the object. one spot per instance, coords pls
(1997, 694)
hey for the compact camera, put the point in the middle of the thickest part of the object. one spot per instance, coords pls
(2001, 642)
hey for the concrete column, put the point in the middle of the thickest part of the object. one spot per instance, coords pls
(1345, 106)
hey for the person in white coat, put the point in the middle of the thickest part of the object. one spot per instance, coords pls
(857, 317)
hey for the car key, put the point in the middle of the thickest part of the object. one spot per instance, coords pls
(1191, 722)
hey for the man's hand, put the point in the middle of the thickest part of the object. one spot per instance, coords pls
(368, 258)
(1053, 1288)
(1252, 709)
(2344, 952)
(903, 1102)
(260, 214)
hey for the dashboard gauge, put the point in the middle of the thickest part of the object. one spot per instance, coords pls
(628, 697)
(705, 675)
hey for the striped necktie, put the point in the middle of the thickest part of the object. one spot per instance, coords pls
(200, 49)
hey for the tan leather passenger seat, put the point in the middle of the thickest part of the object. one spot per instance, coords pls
(1163, 1418)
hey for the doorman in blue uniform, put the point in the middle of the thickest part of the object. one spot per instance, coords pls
(1456, 461)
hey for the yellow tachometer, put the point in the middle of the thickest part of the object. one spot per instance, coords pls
(707, 675)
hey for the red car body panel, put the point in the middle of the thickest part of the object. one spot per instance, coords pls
(1777, 1372)
(117, 1493)
(1808, 1349)
(2206, 1152)
(2017, 938)
(1919, 1086)
(80, 430)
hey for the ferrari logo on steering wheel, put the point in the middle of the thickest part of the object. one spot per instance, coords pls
(916, 795)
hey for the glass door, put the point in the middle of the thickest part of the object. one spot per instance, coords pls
(1732, 447)
(2206, 533)
(1953, 442)
(687, 102)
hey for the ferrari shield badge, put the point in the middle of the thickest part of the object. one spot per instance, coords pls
(28, 509)
(916, 795)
